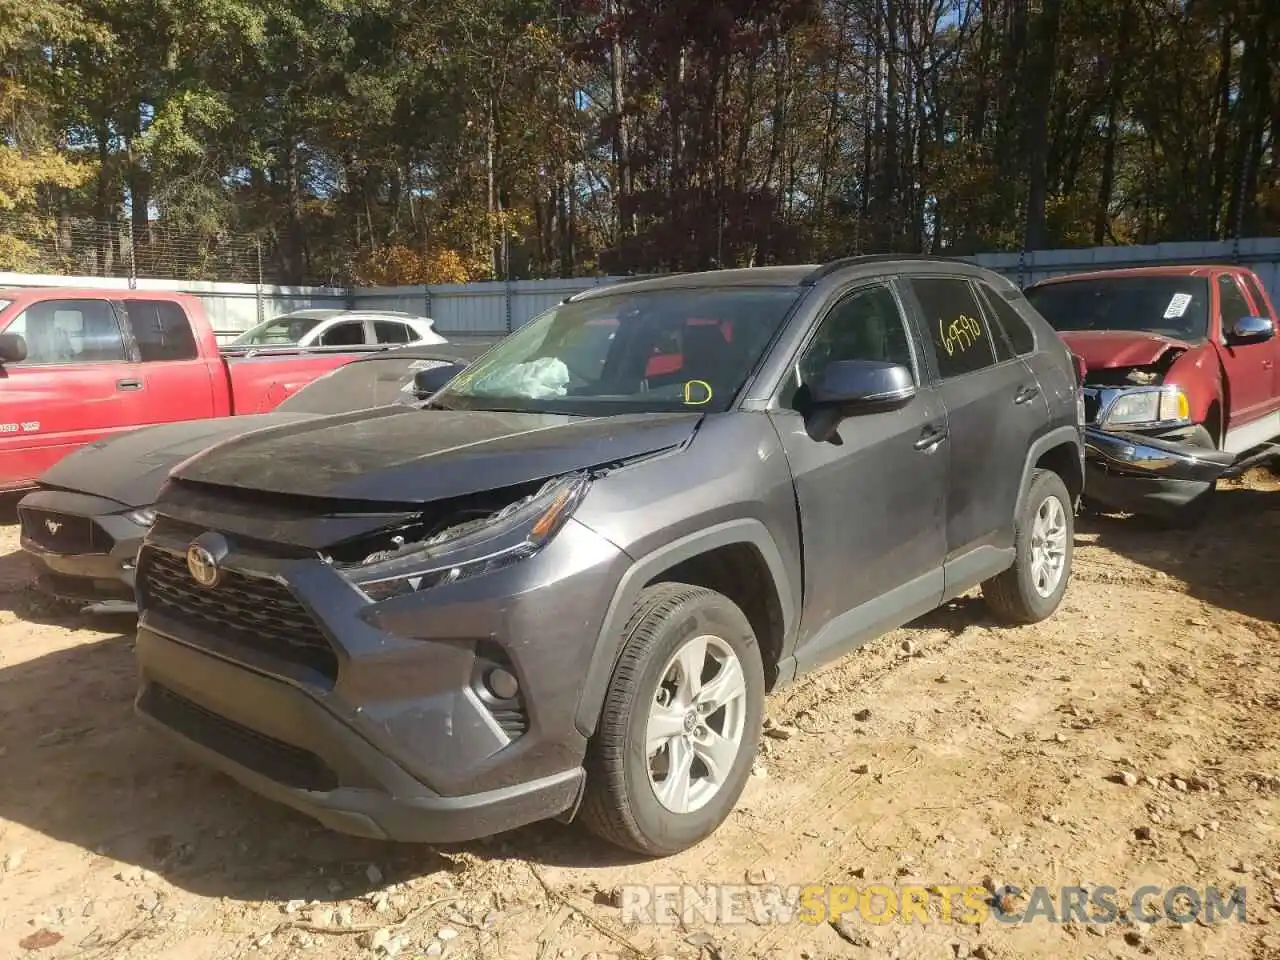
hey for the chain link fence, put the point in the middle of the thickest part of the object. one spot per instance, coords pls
(83, 247)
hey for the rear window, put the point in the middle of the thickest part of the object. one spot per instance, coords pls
(161, 330)
(1167, 305)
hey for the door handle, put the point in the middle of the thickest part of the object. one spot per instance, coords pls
(1268, 364)
(1026, 394)
(128, 384)
(930, 439)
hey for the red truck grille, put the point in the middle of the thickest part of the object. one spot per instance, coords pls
(63, 533)
(249, 612)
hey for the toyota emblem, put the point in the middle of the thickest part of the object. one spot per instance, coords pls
(53, 526)
(203, 566)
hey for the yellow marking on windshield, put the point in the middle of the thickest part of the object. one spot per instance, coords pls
(688, 393)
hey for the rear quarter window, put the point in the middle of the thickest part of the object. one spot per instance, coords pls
(1009, 322)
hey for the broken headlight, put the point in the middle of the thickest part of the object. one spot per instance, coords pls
(1164, 405)
(472, 546)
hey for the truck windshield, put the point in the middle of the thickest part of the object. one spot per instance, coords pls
(283, 330)
(630, 352)
(1167, 305)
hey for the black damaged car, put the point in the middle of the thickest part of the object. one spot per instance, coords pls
(85, 522)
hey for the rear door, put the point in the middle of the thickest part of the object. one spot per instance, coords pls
(994, 409)
(1250, 369)
(76, 385)
(176, 382)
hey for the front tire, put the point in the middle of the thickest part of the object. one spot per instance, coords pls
(680, 725)
(1044, 540)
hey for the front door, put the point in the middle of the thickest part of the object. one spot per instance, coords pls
(75, 386)
(994, 409)
(871, 506)
(1251, 372)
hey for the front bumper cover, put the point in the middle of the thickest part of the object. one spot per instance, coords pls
(1153, 475)
(99, 573)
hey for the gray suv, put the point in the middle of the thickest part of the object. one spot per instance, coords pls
(562, 586)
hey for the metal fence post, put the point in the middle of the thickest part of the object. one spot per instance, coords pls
(133, 260)
(506, 298)
(257, 287)
(426, 301)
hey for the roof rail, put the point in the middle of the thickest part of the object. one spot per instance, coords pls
(829, 268)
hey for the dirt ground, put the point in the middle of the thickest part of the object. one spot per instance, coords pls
(949, 752)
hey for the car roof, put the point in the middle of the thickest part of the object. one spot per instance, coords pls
(799, 275)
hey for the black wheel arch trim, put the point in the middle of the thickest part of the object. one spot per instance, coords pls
(1057, 437)
(608, 645)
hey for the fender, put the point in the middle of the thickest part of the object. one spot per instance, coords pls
(608, 645)
(1041, 445)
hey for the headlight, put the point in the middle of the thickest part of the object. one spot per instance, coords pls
(1149, 406)
(143, 518)
(475, 546)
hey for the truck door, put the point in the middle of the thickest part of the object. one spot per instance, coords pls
(1250, 370)
(176, 382)
(75, 386)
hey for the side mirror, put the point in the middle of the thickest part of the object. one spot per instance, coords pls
(431, 380)
(13, 348)
(1251, 330)
(850, 388)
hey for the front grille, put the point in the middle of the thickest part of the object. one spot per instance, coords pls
(281, 762)
(514, 722)
(252, 612)
(63, 533)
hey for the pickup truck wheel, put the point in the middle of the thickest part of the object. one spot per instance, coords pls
(680, 724)
(1044, 537)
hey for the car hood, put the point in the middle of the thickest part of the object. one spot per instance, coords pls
(406, 455)
(131, 467)
(1105, 349)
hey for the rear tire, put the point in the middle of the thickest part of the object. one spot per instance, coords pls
(1044, 539)
(672, 751)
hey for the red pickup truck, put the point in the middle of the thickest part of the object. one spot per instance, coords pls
(76, 365)
(1175, 357)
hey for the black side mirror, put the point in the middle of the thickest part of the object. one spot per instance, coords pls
(850, 388)
(1251, 330)
(432, 380)
(13, 348)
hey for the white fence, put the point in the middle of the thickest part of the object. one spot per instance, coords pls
(493, 309)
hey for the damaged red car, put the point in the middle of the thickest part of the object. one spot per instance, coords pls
(1182, 383)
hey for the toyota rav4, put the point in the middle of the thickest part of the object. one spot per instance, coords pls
(562, 586)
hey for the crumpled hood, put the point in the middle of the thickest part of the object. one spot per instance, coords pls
(131, 467)
(406, 455)
(1105, 349)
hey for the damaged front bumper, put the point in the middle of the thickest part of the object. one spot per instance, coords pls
(1154, 476)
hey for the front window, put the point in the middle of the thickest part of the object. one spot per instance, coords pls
(644, 351)
(1171, 306)
(283, 330)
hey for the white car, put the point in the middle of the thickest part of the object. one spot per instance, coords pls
(340, 328)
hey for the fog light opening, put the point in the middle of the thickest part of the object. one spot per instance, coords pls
(502, 684)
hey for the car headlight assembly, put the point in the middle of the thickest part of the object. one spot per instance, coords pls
(472, 546)
(1165, 405)
(143, 518)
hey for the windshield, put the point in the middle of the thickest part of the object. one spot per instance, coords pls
(630, 352)
(286, 329)
(367, 383)
(1171, 306)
